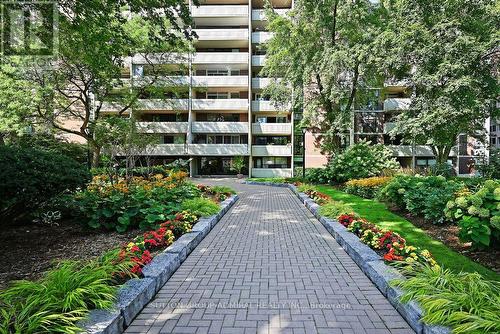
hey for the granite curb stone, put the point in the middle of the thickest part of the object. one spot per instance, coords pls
(133, 296)
(137, 293)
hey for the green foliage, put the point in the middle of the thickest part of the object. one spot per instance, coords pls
(31, 177)
(237, 164)
(378, 213)
(223, 190)
(136, 171)
(490, 168)
(333, 209)
(123, 206)
(446, 50)
(421, 196)
(358, 161)
(478, 215)
(466, 302)
(337, 58)
(62, 297)
(366, 188)
(201, 207)
(48, 142)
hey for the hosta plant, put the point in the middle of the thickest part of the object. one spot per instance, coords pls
(477, 215)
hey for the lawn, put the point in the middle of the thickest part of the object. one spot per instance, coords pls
(378, 213)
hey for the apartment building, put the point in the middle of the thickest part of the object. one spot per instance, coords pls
(222, 113)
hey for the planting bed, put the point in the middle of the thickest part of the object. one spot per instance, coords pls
(30, 250)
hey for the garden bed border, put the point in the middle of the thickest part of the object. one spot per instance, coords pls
(369, 262)
(136, 293)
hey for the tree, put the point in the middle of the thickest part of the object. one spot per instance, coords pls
(446, 49)
(327, 52)
(95, 37)
(16, 103)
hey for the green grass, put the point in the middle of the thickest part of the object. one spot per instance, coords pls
(378, 213)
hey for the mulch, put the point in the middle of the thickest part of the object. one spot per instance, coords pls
(448, 235)
(30, 250)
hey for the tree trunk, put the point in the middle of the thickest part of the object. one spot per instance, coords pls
(442, 153)
(96, 154)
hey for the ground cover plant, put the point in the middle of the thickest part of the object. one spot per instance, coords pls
(64, 296)
(466, 302)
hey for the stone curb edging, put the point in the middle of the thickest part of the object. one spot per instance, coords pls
(369, 262)
(137, 293)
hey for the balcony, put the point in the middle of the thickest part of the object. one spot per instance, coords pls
(240, 81)
(389, 126)
(263, 106)
(260, 14)
(271, 150)
(149, 105)
(260, 37)
(260, 83)
(222, 38)
(397, 104)
(220, 127)
(272, 128)
(258, 60)
(225, 58)
(214, 11)
(162, 127)
(272, 172)
(218, 149)
(167, 149)
(221, 104)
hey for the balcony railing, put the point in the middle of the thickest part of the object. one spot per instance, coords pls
(260, 83)
(221, 81)
(260, 14)
(259, 37)
(397, 104)
(272, 128)
(168, 149)
(221, 34)
(258, 60)
(162, 127)
(259, 106)
(220, 104)
(218, 149)
(271, 172)
(220, 127)
(219, 11)
(389, 126)
(221, 58)
(149, 105)
(272, 150)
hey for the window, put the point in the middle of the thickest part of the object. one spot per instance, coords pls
(493, 128)
(271, 162)
(493, 141)
(217, 95)
(235, 95)
(212, 73)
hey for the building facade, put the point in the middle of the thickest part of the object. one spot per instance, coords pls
(223, 112)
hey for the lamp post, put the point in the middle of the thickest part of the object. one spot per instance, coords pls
(304, 130)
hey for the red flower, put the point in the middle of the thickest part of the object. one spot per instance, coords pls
(135, 249)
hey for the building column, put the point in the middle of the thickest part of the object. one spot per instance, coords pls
(250, 158)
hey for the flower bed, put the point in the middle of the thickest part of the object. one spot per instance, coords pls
(366, 188)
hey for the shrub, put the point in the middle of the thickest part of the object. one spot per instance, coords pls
(200, 207)
(314, 194)
(366, 188)
(466, 302)
(30, 177)
(478, 215)
(319, 175)
(140, 202)
(421, 196)
(49, 143)
(62, 297)
(334, 209)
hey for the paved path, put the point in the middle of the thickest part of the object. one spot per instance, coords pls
(268, 267)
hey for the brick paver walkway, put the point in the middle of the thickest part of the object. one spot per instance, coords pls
(269, 267)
